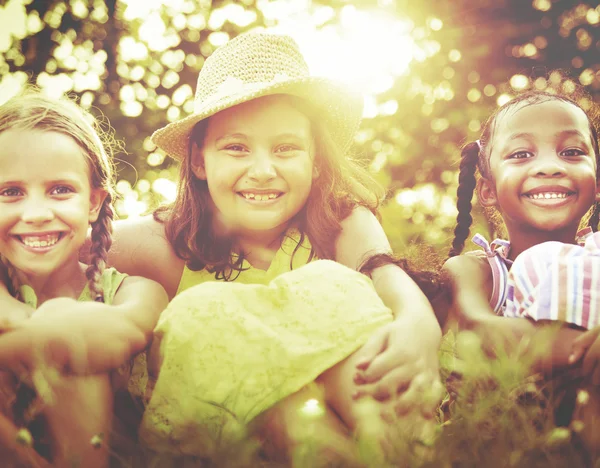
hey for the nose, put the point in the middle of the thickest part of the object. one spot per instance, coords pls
(36, 211)
(549, 166)
(262, 168)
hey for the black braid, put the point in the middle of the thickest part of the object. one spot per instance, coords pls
(464, 195)
(595, 217)
(432, 283)
(101, 242)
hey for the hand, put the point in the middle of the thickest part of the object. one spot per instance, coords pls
(400, 362)
(506, 335)
(73, 337)
(587, 345)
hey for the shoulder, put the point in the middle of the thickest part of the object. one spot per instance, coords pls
(361, 235)
(465, 265)
(137, 287)
(140, 248)
(469, 272)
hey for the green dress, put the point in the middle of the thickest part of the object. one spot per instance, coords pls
(231, 350)
(111, 280)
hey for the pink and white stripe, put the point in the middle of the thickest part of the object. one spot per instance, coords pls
(557, 281)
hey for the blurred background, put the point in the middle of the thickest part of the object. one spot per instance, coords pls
(431, 73)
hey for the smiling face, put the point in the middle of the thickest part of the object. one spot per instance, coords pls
(257, 159)
(543, 168)
(46, 202)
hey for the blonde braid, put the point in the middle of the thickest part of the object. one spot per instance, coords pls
(13, 281)
(101, 242)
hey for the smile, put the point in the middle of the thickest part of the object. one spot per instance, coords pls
(263, 196)
(40, 242)
(548, 195)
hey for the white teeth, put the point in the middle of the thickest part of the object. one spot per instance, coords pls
(40, 241)
(259, 197)
(548, 195)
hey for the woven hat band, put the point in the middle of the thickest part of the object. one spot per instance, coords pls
(265, 58)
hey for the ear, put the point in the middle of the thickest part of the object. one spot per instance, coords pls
(315, 172)
(97, 198)
(486, 193)
(198, 162)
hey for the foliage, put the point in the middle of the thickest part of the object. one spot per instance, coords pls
(451, 62)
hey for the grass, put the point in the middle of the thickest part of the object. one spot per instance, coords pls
(494, 415)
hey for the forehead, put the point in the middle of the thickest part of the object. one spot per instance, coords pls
(267, 114)
(543, 118)
(24, 152)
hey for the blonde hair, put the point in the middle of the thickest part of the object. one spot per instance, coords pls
(33, 110)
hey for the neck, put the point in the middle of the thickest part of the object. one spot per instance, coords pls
(68, 281)
(259, 248)
(522, 238)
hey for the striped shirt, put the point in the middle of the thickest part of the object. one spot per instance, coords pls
(557, 281)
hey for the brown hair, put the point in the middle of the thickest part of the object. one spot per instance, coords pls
(33, 110)
(342, 184)
(475, 156)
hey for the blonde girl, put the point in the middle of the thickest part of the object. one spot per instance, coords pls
(56, 181)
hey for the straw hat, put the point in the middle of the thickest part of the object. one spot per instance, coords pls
(259, 64)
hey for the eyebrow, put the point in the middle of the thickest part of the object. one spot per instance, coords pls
(61, 180)
(228, 136)
(526, 135)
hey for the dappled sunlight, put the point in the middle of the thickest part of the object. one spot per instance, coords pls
(428, 78)
(365, 49)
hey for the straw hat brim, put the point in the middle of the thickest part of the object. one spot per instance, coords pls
(338, 106)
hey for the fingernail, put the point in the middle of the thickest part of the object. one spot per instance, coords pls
(571, 358)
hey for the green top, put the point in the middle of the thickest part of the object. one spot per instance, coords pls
(285, 260)
(111, 280)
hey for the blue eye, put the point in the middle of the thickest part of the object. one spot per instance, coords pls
(287, 150)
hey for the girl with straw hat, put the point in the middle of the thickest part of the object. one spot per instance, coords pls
(266, 188)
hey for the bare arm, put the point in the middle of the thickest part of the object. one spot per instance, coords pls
(362, 235)
(404, 352)
(550, 343)
(141, 301)
(140, 248)
(86, 337)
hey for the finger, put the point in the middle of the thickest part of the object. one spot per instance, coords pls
(596, 376)
(21, 453)
(385, 363)
(373, 347)
(394, 382)
(581, 344)
(590, 358)
(423, 395)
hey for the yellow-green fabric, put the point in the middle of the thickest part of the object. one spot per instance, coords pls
(231, 350)
(291, 251)
(111, 280)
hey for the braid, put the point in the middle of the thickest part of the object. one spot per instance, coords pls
(13, 282)
(433, 284)
(595, 217)
(101, 242)
(464, 194)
